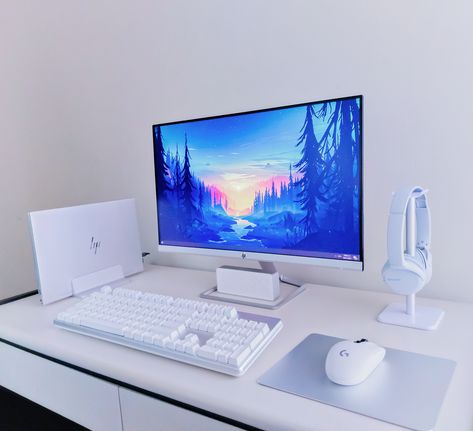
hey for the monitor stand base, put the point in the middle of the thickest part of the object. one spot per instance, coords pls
(289, 289)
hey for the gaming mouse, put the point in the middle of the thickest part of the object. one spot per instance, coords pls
(351, 362)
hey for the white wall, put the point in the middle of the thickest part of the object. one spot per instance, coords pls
(83, 81)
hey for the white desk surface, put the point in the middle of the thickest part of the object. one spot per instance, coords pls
(345, 313)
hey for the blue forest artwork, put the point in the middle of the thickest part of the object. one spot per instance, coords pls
(283, 181)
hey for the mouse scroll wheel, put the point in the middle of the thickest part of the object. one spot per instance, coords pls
(363, 340)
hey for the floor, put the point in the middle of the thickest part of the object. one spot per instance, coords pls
(19, 414)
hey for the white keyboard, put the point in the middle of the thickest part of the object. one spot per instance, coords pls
(213, 336)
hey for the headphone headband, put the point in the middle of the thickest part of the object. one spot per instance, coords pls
(397, 223)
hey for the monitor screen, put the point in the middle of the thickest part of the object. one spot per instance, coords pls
(283, 181)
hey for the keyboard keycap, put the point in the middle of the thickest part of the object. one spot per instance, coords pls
(223, 356)
(254, 340)
(208, 352)
(239, 355)
(192, 349)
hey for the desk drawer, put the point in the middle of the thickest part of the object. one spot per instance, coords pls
(84, 399)
(143, 413)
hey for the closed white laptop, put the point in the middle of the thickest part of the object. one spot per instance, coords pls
(82, 245)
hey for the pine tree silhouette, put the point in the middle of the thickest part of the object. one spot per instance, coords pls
(346, 165)
(311, 166)
(177, 179)
(347, 150)
(290, 190)
(160, 165)
(201, 197)
(255, 203)
(168, 163)
(329, 148)
(273, 196)
(341, 146)
(188, 187)
(266, 200)
(291, 184)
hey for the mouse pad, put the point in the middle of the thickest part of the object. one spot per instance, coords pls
(406, 389)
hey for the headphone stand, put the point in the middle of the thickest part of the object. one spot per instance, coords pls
(412, 316)
(409, 265)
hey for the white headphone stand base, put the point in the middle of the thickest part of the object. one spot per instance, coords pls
(427, 318)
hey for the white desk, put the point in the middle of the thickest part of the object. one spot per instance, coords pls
(114, 385)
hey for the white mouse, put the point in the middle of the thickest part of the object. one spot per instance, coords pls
(351, 362)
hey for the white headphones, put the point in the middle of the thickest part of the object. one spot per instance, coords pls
(407, 273)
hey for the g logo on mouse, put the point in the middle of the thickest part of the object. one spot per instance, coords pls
(344, 353)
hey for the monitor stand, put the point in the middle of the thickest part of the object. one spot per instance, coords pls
(289, 288)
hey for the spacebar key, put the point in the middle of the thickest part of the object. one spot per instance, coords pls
(102, 325)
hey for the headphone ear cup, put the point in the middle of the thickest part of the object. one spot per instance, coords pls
(421, 258)
(418, 260)
(407, 279)
(428, 264)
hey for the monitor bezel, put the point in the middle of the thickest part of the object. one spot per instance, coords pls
(271, 257)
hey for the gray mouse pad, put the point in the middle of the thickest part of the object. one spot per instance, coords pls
(406, 389)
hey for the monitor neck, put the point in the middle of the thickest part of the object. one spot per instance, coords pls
(268, 267)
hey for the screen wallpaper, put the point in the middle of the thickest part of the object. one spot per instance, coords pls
(283, 181)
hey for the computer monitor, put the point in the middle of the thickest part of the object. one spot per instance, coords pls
(280, 185)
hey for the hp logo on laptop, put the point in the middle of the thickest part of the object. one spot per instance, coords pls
(94, 245)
